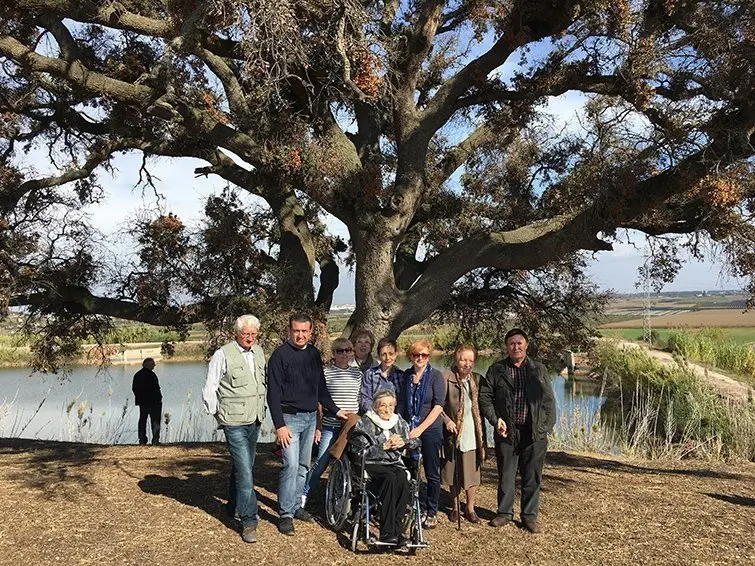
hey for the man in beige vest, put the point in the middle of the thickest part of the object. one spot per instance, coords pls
(235, 393)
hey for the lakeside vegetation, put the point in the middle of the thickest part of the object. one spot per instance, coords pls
(740, 335)
(659, 411)
(728, 349)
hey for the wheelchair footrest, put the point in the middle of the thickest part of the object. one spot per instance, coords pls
(377, 542)
(418, 545)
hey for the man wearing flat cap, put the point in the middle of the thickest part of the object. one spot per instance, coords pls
(516, 397)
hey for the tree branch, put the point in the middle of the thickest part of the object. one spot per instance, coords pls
(82, 301)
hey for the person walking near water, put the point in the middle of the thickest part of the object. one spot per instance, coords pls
(516, 397)
(235, 392)
(149, 398)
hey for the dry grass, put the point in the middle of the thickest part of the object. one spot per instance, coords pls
(725, 318)
(84, 504)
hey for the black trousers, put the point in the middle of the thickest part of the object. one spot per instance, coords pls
(153, 411)
(392, 487)
(528, 458)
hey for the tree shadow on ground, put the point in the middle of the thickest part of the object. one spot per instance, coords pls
(563, 459)
(733, 499)
(57, 469)
(205, 485)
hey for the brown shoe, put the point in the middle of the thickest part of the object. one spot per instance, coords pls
(453, 516)
(500, 521)
(471, 516)
(531, 525)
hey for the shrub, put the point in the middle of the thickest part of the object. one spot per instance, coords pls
(657, 410)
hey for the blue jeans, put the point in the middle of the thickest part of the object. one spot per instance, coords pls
(432, 442)
(296, 458)
(242, 444)
(329, 435)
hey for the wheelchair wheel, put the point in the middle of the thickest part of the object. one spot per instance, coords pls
(355, 534)
(338, 494)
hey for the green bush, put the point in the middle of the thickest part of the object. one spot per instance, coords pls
(137, 334)
(711, 347)
(659, 410)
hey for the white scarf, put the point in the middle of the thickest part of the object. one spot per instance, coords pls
(384, 425)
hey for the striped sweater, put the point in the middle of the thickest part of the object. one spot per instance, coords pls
(344, 386)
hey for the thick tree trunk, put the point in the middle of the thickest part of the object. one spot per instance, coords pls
(377, 298)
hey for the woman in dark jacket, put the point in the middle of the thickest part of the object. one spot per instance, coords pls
(463, 438)
(385, 435)
(422, 405)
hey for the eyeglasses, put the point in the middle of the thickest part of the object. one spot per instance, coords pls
(248, 335)
(343, 350)
(420, 355)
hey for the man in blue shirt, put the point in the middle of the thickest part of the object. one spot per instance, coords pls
(295, 385)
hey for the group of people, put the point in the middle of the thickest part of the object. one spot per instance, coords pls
(417, 410)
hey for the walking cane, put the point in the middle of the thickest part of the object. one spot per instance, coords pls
(457, 475)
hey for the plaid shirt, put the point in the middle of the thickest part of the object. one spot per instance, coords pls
(519, 378)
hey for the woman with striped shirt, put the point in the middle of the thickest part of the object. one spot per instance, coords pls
(344, 383)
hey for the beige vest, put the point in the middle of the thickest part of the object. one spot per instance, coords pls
(242, 392)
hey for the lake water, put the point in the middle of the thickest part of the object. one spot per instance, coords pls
(96, 405)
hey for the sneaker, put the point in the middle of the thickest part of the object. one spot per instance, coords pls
(531, 525)
(303, 515)
(500, 521)
(249, 533)
(430, 522)
(286, 526)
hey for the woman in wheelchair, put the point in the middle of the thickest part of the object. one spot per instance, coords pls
(385, 436)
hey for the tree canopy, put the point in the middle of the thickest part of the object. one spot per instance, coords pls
(418, 124)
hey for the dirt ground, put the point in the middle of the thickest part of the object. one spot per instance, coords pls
(83, 504)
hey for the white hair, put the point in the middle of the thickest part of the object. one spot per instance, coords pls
(383, 392)
(247, 320)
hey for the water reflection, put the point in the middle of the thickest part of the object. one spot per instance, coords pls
(96, 405)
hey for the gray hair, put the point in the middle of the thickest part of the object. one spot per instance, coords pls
(247, 320)
(382, 393)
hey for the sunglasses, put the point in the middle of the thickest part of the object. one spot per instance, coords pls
(420, 355)
(343, 350)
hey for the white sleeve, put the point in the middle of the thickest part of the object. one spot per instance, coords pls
(215, 371)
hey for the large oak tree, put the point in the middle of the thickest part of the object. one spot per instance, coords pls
(418, 124)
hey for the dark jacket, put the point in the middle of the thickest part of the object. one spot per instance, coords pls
(366, 434)
(146, 388)
(296, 382)
(497, 399)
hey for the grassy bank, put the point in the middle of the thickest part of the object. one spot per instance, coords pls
(738, 335)
(728, 349)
(659, 411)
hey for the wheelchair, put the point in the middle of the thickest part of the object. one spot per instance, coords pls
(351, 503)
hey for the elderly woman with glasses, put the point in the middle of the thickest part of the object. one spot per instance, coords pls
(385, 436)
(422, 405)
(344, 382)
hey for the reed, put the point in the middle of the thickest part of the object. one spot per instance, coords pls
(658, 411)
(710, 346)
